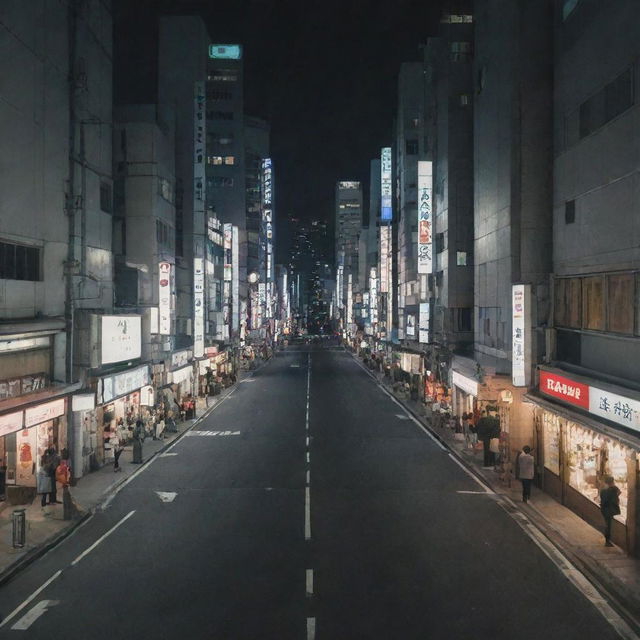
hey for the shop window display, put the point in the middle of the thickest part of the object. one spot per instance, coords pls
(591, 458)
(551, 424)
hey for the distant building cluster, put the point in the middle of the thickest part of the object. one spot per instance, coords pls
(497, 273)
(137, 241)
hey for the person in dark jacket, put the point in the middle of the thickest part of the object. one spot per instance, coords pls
(488, 427)
(609, 506)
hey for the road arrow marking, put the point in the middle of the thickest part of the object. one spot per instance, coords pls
(32, 615)
(167, 496)
(167, 455)
(401, 417)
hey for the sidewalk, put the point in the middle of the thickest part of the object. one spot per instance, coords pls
(609, 568)
(46, 527)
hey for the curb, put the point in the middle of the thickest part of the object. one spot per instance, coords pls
(620, 598)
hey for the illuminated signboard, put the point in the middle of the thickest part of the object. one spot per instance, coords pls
(521, 336)
(198, 307)
(121, 338)
(373, 295)
(425, 218)
(423, 323)
(385, 243)
(348, 184)
(164, 298)
(225, 51)
(386, 212)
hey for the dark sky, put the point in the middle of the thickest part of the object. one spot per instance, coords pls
(323, 73)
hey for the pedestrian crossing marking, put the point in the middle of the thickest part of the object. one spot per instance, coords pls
(213, 433)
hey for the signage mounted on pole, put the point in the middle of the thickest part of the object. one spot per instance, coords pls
(386, 210)
(425, 216)
(164, 298)
(521, 336)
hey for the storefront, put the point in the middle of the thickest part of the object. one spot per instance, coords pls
(579, 449)
(465, 394)
(24, 437)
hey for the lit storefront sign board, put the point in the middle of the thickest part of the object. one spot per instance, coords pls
(11, 423)
(83, 402)
(120, 338)
(386, 212)
(123, 383)
(225, 51)
(599, 402)
(425, 216)
(198, 307)
(373, 295)
(199, 144)
(348, 184)
(43, 412)
(521, 338)
(385, 237)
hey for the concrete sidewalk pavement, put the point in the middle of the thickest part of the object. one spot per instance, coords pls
(608, 568)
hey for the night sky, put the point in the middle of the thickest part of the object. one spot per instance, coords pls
(323, 73)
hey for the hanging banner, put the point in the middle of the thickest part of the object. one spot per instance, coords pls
(425, 262)
(521, 335)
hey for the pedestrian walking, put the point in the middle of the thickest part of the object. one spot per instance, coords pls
(609, 506)
(118, 448)
(525, 471)
(43, 479)
(488, 427)
(54, 461)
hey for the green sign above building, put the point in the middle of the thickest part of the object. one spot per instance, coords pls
(225, 51)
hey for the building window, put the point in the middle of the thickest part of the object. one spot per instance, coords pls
(461, 258)
(229, 160)
(465, 99)
(222, 76)
(439, 242)
(608, 103)
(19, 262)
(165, 189)
(463, 319)
(220, 181)
(215, 160)
(569, 211)
(620, 311)
(219, 115)
(105, 198)
(411, 147)
(460, 51)
(215, 94)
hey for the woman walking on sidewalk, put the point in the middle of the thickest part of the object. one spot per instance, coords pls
(609, 506)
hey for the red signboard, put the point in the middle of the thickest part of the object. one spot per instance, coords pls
(564, 389)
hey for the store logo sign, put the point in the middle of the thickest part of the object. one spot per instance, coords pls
(565, 389)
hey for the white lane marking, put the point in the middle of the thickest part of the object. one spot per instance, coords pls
(33, 614)
(294, 366)
(248, 380)
(167, 455)
(101, 538)
(406, 411)
(401, 417)
(211, 433)
(487, 488)
(307, 442)
(308, 477)
(32, 597)
(475, 493)
(308, 460)
(311, 628)
(147, 464)
(570, 572)
(167, 496)
(309, 582)
(307, 513)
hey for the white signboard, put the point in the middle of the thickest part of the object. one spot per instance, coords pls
(611, 406)
(181, 358)
(425, 221)
(198, 307)
(385, 243)
(521, 335)
(349, 298)
(11, 423)
(43, 412)
(164, 298)
(124, 383)
(121, 338)
(423, 323)
(386, 210)
(83, 402)
(235, 280)
(373, 296)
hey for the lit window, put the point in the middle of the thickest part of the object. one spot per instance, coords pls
(461, 258)
(229, 160)
(214, 159)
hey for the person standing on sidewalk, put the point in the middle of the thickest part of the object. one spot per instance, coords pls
(609, 506)
(486, 429)
(525, 471)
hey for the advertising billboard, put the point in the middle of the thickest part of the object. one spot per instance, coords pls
(425, 217)
(120, 338)
(164, 298)
(521, 335)
(386, 211)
